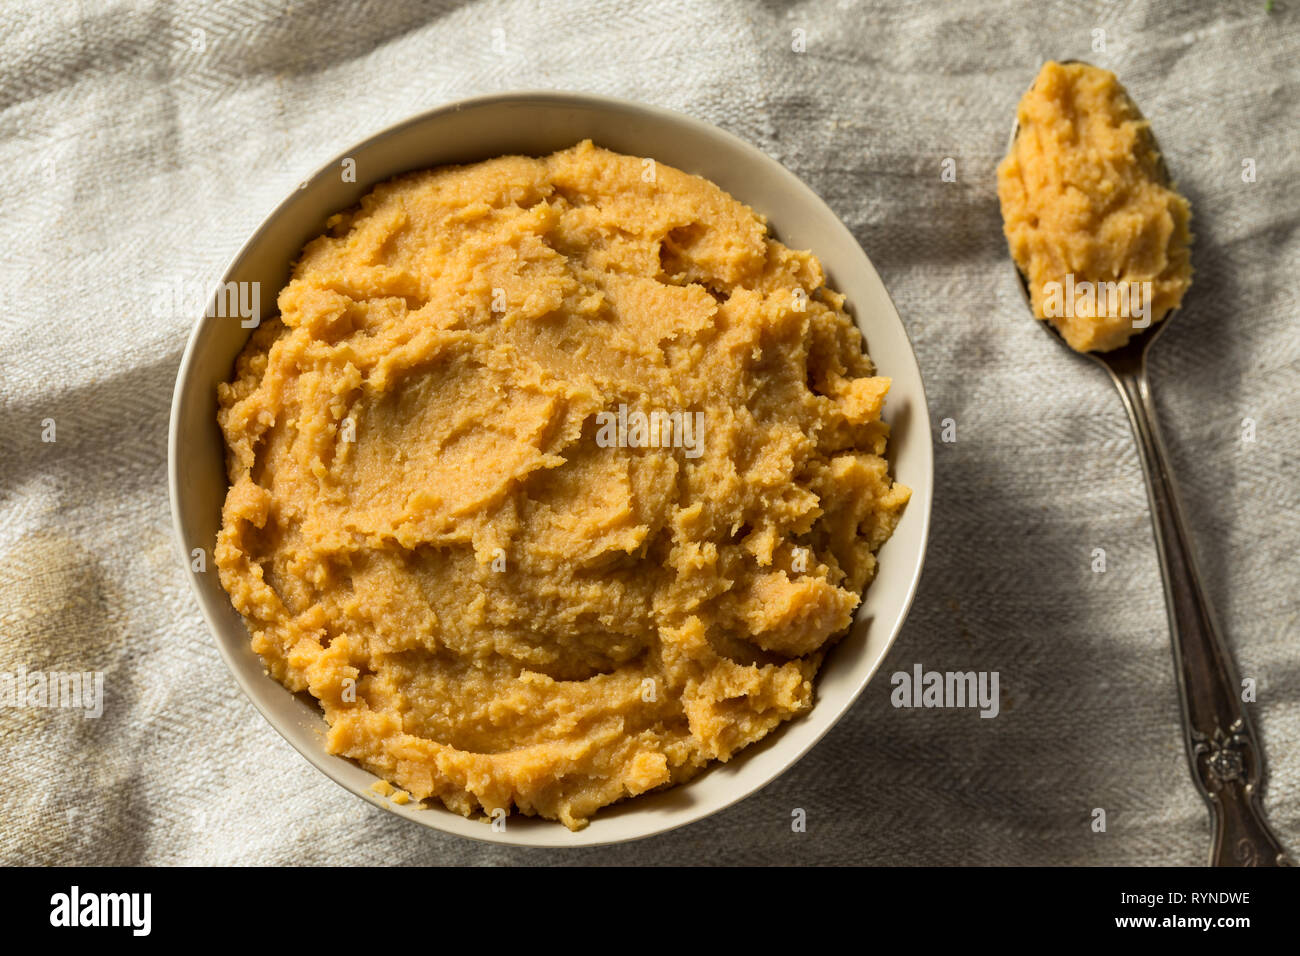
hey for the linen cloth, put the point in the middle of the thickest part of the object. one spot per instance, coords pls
(143, 142)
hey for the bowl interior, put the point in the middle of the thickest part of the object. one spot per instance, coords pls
(535, 124)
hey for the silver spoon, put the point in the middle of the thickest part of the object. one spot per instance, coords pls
(1226, 759)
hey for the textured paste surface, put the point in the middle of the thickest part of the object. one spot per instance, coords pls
(495, 608)
(1081, 195)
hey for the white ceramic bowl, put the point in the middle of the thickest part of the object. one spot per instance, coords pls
(536, 123)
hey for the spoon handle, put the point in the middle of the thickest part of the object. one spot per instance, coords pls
(1226, 759)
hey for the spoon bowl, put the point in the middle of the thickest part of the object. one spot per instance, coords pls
(1131, 355)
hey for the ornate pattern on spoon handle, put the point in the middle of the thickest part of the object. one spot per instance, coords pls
(1226, 759)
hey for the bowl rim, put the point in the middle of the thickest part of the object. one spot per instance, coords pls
(435, 816)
